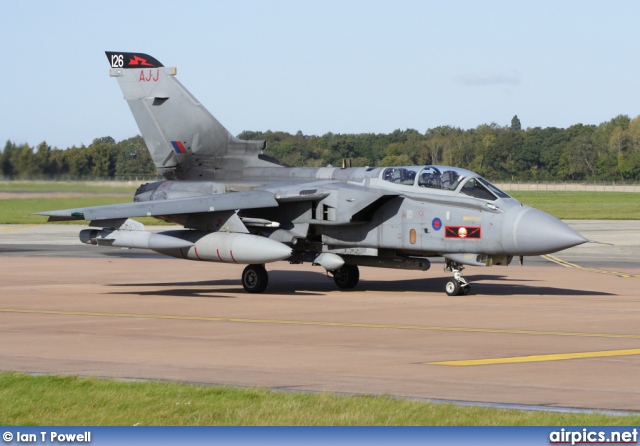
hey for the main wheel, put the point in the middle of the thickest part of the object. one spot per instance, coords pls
(347, 276)
(255, 278)
(452, 288)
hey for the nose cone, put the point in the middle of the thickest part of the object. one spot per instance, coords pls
(536, 232)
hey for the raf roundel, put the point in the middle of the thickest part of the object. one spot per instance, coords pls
(436, 224)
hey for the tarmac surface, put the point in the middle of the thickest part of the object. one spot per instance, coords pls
(560, 331)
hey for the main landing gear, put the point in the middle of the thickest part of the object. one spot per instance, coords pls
(457, 285)
(255, 278)
(346, 277)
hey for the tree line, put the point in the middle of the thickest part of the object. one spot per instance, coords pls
(104, 158)
(606, 152)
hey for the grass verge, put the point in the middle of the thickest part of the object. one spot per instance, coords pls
(57, 400)
(20, 210)
(567, 205)
(69, 186)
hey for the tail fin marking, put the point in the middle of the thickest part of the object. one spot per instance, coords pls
(174, 125)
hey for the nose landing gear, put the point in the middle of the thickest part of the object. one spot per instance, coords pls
(458, 285)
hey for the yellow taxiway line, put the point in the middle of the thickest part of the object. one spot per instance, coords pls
(15, 228)
(539, 358)
(591, 270)
(325, 323)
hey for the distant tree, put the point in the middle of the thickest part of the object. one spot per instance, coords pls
(438, 141)
(578, 161)
(395, 160)
(552, 144)
(57, 163)
(41, 159)
(103, 156)
(249, 135)
(23, 162)
(630, 162)
(8, 169)
(515, 123)
(133, 158)
(508, 146)
(528, 159)
(500, 155)
(634, 133)
(78, 160)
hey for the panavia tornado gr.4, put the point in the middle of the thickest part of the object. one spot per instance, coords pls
(238, 205)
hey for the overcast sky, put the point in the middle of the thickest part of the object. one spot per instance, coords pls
(347, 66)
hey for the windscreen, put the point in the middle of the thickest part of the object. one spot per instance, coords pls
(481, 188)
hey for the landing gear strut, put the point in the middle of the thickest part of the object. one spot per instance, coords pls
(457, 285)
(255, 278)
(347, 276)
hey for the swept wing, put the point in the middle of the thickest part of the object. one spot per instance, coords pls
(192, 205)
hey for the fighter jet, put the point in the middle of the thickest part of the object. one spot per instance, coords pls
(238, 205)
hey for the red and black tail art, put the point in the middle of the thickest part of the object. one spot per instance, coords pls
(132, 60)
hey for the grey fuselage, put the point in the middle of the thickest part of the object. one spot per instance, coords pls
(357, 211)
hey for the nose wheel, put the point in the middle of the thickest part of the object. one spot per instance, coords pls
(458, 285)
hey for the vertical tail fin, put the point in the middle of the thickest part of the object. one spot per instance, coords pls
(184, 139)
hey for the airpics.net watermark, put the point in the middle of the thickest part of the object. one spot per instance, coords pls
(46, 437)
(590, 436)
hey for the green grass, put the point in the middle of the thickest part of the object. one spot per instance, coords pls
(21, 210)
(56, 400)
(584, 205)
(69, 186)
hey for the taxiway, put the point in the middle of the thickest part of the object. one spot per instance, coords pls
(551, 334)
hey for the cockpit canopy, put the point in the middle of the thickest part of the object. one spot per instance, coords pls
(444, 178)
